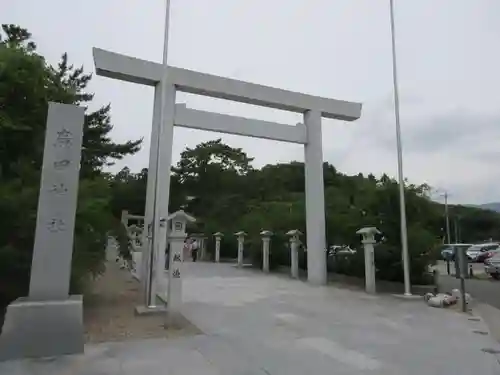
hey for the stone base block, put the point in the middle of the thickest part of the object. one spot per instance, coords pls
(146, 310)
(408, 297)
(42, 328)
(175, 320)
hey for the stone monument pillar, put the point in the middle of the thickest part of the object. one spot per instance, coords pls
(218, 236)
(294, 252)
(241, 241)
(49, 321)
(177, 236)
(266, 240)
(368, 241)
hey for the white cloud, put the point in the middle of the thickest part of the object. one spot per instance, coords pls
(340, 49)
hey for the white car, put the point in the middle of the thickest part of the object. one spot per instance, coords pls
(340, 250)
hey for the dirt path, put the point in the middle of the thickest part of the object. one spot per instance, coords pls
(109, 311)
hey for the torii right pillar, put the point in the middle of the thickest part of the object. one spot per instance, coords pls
(315, 199)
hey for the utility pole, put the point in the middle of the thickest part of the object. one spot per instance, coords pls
(448, 233)
(457, 230)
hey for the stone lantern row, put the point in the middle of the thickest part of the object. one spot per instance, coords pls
(266, 240)
(368, 241)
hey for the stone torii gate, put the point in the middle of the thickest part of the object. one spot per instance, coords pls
(309, 134)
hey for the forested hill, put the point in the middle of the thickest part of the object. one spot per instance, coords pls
(494, 206)
(230, 196)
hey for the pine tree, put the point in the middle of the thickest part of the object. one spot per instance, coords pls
(27, 84)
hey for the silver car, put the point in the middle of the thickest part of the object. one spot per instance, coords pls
(492, 266)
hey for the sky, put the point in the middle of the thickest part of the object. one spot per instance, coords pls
(448, 59)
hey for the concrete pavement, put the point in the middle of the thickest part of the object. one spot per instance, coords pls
(266, 324)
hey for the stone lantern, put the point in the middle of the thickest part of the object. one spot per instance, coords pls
(241, 240)
(266, 240)
(218, 237)
(294, 251)
(176, 237)
(368, 241)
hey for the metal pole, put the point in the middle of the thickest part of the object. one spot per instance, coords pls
(402, 203)
(457, 239)
(448, 233)
(463, 272)
(151, 299)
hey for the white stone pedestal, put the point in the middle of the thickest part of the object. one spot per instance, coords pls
(369, 266)
(265, 253)
(241, 241)
(174, 289)
(218, 236)
(368, 241)
(266, 240)
(294, 252)
(136, 264)
(177, 236)
(42, 328)
(294, 259)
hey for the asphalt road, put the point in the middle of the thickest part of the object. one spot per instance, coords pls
(485, 291)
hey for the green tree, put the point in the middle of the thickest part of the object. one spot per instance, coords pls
(232, 196)
(27, 84)
(210, 171)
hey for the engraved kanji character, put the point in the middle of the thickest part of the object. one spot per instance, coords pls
(64, 138)
(61, 164)
(56, 225)
(58, 188)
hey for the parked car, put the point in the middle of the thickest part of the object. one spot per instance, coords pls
(448, 250)
(340, 250)
(492, 265)
(478, 253)
(488, 254)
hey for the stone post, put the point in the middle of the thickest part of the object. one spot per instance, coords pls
(202, 248)
(49, 322)
(294, 252)
(124, 218)
(200, 239)
(368, 241)
(177, 235)
(241, 240)
(266, 240)
(218, 236)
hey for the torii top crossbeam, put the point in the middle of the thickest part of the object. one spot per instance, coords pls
(131, 69)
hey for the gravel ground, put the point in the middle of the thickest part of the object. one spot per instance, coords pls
(109, 311)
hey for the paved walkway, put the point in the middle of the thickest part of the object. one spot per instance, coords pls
(258, 324)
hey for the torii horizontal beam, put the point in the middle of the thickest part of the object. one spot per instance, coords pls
(131, 69)
(216, 122)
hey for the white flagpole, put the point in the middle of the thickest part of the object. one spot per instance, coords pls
(402, 203)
